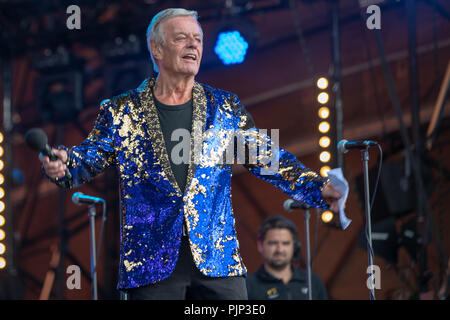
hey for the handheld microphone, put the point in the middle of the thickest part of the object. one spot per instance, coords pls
(37, 139)
(79, 198)
(290, 205)
(344, 145)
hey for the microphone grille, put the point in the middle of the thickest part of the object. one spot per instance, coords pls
(287, 204)
(36, 139)
(76, 196)
(341, 146)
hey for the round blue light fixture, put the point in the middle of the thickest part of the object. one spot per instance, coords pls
(231, 47)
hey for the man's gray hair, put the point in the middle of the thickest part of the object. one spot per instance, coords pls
(156, 33)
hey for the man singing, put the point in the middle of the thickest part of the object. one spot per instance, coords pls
(178, 237)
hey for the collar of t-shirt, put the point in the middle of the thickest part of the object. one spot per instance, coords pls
(297, 275)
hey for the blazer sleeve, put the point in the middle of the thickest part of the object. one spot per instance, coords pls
(275, 165)
(94, 154)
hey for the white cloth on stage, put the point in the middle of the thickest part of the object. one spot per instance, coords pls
(341, 185)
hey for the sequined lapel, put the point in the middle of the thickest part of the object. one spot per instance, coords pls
(155, 133)
(198, 127)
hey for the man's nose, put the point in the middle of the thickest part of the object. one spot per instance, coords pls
(193, 43)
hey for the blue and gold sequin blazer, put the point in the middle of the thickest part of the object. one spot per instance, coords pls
(128, 136)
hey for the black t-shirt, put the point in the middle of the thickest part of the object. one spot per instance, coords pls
(172, 118)
(261, 286)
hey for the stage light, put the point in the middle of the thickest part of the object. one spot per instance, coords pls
(324, 112)
(324, 142)
(327, 216)
(324, 127)
(326, 133)
(324, 171)
(323, 97)
(322, 83)
(231, 47)
(325, 156)
(2, 207)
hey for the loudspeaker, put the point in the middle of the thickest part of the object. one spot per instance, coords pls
(396, 193)
(385, 241)
(397, 188)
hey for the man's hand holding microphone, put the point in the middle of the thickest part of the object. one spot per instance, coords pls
(55, 169)
(53, 160)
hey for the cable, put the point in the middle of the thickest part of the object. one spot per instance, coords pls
(369, 244)
(375, 190)
(301, 38)
(378, 177)
(372, 75)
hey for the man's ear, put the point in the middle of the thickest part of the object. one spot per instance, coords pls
(156, 49)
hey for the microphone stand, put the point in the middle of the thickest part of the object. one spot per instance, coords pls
(365, 160)
(79, 199)
(308, 251)
(92, 214)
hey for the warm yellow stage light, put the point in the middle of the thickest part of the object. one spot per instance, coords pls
(2, 206)
(2, 263)
(325, 156)
(2, 179)
(2, 248)
(327, 216)
(2, 234)
(323, 97)
(324, 127)
(324, 171)
(1, 137)
(2, 151)
(322, 83)
(2, 193)
(324, 142)
(324, 112)
(2, 165)
(2, 221)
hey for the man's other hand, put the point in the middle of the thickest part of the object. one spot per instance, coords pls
(331, 196)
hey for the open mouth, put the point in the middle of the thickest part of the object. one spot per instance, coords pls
(191, 57)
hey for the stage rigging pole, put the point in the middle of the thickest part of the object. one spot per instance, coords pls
(418, 179)
(422, 220)
(337, 80)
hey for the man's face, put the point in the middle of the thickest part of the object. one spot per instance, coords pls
(182, 52)
(277, 249)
